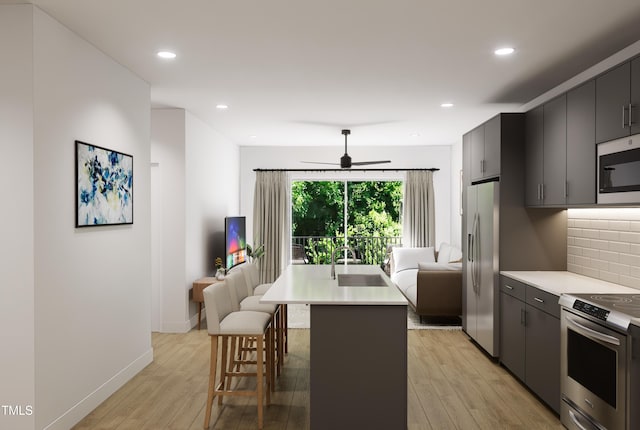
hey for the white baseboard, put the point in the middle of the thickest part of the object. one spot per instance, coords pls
(93, 400)
(183, 326)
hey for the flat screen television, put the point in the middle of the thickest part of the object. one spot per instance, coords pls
(235, 240)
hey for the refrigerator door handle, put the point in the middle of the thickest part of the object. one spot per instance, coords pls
(474, 245)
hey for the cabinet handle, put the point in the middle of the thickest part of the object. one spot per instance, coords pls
(509, 287)
(624, 123)
(566, 189)
(541, 191)
(630, 114)
(538, 300)
(523, 317)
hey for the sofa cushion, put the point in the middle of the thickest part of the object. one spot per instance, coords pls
(405, 278)
(408, 258)
(438, 266)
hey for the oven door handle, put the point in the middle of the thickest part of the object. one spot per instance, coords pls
(588, 332)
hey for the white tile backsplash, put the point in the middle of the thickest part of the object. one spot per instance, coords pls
(605, 244)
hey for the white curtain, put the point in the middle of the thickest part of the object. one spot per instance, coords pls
(271, 222)
(418, 222)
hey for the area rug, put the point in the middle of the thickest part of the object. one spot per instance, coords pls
(299, 318)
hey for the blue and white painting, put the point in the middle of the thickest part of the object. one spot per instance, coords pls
(104, 184)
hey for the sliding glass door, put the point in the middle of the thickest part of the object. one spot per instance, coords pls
(365, 215)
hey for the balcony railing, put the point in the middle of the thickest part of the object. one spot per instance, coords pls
(317, 249)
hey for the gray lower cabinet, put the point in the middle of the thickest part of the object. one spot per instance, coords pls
(512, 334)
(530, 338)
(542, 361)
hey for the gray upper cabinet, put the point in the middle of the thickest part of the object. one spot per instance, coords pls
(533, 157)
(466, 160)
(477, 153)
(635, 96)
(486, 142)
(581, 147)
(618, 101)
(492, 143)
(546, 153)
(554, 152)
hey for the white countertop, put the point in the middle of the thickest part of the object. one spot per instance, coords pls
(567, 282)
(312, 284)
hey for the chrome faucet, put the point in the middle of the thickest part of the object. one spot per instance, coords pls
(333, 261)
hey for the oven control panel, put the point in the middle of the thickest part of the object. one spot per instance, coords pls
(590, 309)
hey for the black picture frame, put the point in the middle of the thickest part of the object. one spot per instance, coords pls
(103, 186)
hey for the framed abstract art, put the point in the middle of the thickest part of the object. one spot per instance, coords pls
(104, 186)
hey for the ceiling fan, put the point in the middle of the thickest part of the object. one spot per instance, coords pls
(345, 160)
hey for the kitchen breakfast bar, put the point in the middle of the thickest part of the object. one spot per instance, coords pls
(358, 344)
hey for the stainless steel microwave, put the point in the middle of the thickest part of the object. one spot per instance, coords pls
(619, 171)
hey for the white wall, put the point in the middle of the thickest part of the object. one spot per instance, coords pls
(17, 386)
(92, 285)
(213, 185)
(198, 174)
(168, 151)
(252, 157)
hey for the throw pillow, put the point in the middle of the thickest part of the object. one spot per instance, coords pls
(444, 253)
(456, 255)
(408, 258)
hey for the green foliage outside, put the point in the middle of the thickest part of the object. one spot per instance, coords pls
(374, 211)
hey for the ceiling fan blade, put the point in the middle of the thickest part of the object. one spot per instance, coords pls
(320, 162)
(364, 163)
(345, 160)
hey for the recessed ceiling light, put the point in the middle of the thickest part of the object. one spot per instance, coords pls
(504, 51)
(253, 136)
(414, 135)
(446, 105)
(222, 107)
(166, 54)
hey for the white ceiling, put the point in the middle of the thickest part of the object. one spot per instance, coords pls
(295, 72)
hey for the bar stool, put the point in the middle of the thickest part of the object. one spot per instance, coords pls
(224, 322)
(240, 294)
(252, 276)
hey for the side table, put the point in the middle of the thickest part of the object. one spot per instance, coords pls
(198, 287)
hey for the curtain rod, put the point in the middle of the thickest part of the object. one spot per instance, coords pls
(432, 169)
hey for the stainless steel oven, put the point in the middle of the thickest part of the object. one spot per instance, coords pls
(619, 171)
(599, 362)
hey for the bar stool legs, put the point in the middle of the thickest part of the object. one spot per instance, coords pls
(263, 360)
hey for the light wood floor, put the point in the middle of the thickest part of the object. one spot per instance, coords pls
(452, 385)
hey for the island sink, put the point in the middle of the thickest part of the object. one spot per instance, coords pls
(360, 280)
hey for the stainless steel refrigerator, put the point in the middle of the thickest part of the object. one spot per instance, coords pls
(481, 290)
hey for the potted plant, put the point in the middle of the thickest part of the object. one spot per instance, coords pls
(255, 254)
(220, 272)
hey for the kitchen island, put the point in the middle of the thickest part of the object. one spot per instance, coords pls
(358, 344)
